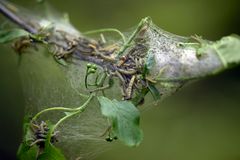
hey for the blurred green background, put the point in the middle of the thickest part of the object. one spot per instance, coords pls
(201, 122)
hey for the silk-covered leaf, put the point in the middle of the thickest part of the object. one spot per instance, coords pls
(150, 60)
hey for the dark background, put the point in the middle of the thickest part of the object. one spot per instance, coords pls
(201, 122)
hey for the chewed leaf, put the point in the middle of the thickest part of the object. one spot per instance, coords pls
(125, 120)
(9, 35)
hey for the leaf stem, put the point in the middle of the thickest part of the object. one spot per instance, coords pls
(78, 110)
(53, 109)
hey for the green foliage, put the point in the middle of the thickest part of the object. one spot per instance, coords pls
(12, 34)
(60, 61)
(228, 49)
(123, 115)
(125, 120)
(51, 153)
(139, 99)
(25, 152)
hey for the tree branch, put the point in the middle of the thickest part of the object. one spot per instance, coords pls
(156, 55)
(6, 11)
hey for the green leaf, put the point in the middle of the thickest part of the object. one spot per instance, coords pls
(27, 132)
(228, 49)
(111, 82)
(51, 153)
(25, 152)
(60, 61)
(9, 35)
(154, 91)
(125, 119)
(139, 99)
